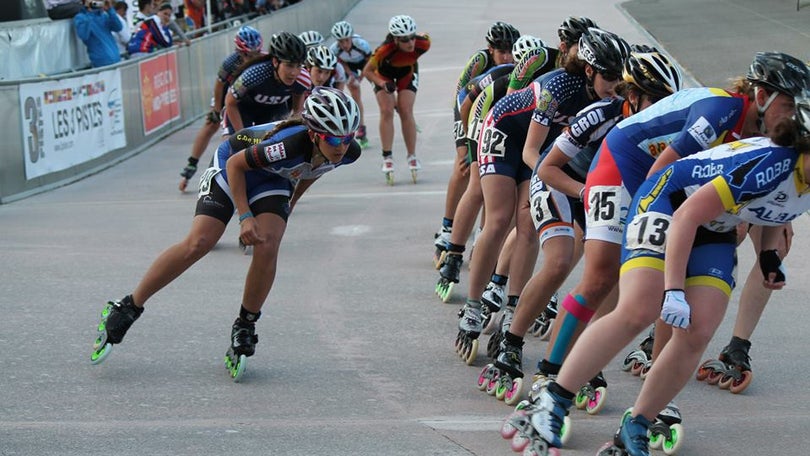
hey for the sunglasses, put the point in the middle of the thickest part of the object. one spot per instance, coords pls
(336, 141)
(610, 77)
(406, 39)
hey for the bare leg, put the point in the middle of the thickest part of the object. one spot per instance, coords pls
(405, 101)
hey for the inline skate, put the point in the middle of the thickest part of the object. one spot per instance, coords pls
(185, 175)
(469, 328)
(493, 297)
(449, 275)
(494, 343)
(593, 395)
(666, 433)
(414, 166)
(388, 169)
(116, 318)
(637, 359)
(362, 139)
(542, 325)
(631, 438)
(243, 345)
(732, 371)
(539, 428)
(441, 242)
(504, 378)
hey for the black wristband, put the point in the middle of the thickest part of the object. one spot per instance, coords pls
(769, 262)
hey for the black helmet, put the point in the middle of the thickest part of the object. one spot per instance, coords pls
(502, 35)
(573, 27)
(642, 48)
(780, 72)
(288, 47)
(803, 111)
(653, 73)
(604, 51)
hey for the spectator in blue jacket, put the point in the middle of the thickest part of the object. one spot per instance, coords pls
(94, 25)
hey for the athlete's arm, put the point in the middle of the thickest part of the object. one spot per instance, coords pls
(535, 138)
(236, 166)
(550, 171)
(219, 91)
(668, 156)
(298, 103)
(232, 111)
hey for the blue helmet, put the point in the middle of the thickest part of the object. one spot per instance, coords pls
(248, 39)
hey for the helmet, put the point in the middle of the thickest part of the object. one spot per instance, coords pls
(803, 111)
(604, 51)
(321, 57)
(248, 39)
(573, 27)
(779, 72)
(311, 37)
(653, 73)
(642, 48)
(524, 44)
(502, 35)
(342, 30)
(330, 111)
(401, 26)
(286, 46)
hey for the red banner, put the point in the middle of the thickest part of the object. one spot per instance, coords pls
(159, 90)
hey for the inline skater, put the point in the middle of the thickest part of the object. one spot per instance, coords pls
(394, 71)
(694, 119)
(353, 53)
(248, 43)
(261, 173)
(322, 66)
(516, 129)
(313, 38)
(500, 39)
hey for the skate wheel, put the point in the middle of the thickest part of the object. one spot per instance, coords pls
(637, 368)
(656, 440)
(606, 449)
(725, 382)
(439, 260)
(413, 175)
(510, 425)
(100, 354)
(675, 442)
(471, 353)
(714, 377)
(546, 331)
(738, 386)
(645, 370)
(483, 377)
(702, 372)
(519, 442)
(581, 399)
(512, 395)
(504, 384)
(595, 405)
(565, 431)
(446, 292)
(236, 370)
(389, 178)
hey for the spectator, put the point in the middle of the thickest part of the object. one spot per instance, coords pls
(146, 9)
(94, 25)
(155, 33)
(122, 36)
(195, 10)
(63, 9)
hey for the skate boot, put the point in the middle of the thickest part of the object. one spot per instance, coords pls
(449, 275)
(243, 345)
(732, 371)
(414, 166)
(362, 140)
(116, 318)
(185, 175)
(540, 428)
(469, 328)
(592, 396)
(667, 431)
(493, 297)
(388, 169)
(542, 325)
(631, 438)
(494, 344)
(510, 365)
(637, 359)
(441, 241)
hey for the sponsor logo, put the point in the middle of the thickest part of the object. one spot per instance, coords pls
(275, 152)
(702, 132)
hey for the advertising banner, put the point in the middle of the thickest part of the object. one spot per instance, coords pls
(160, 91)
(67, 122)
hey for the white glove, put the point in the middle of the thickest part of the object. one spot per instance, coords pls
(675, 310)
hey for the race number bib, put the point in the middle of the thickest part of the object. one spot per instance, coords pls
(648, 231)
(604, 205)
(493, 142)
(205, 180)
(458, 130)
(539, 202)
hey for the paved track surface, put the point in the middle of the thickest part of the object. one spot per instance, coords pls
(355, 353)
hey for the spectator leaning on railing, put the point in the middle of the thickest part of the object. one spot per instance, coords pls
(155, 33)
(94, 25)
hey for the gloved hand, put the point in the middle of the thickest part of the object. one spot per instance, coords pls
(675, 310)
(213, 117)
(769, 263)
(390, 87)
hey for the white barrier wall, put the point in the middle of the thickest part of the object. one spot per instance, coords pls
(61, 129)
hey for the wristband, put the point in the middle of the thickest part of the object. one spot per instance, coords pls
(244, 216)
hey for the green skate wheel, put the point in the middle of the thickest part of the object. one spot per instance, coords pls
(101, 352)
(236, 369)
(389, 178)
(675, 441)
(413, 175)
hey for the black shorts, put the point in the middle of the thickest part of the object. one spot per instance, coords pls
(217, 203)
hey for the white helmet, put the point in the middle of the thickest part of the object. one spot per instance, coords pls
(342, 30)
(330, 111)
(321, 57)
(524, 44)
(311, 37)
(401, 26)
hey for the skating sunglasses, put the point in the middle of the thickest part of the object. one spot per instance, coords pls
(406, 39)
(336, 141)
